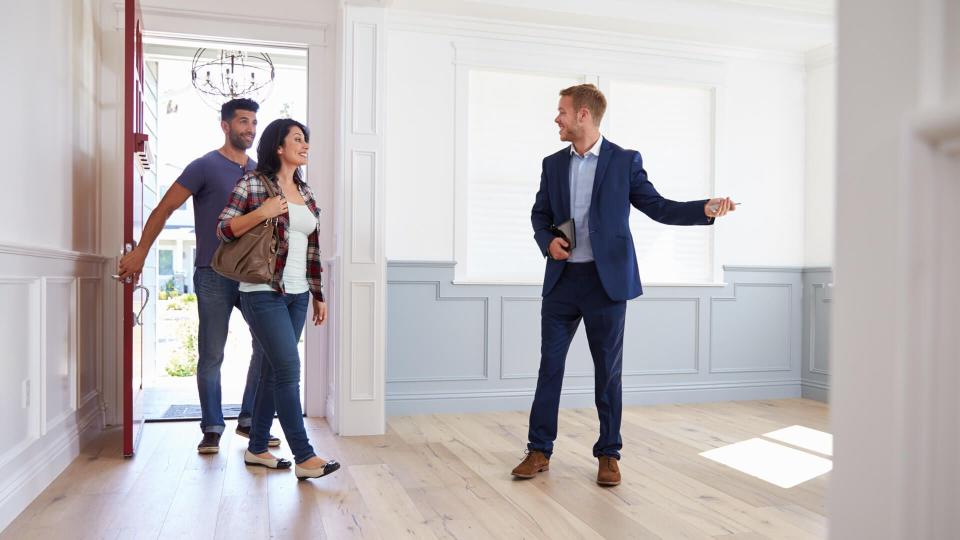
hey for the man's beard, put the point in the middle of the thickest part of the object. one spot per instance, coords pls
(238, 142)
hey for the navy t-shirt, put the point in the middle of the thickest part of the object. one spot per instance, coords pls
(210, 179)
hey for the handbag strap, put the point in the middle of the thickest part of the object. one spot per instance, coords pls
(267, 184)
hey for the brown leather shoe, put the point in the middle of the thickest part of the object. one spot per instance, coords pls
(609, 473)
(536, 461)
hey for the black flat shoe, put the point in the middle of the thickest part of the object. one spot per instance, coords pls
(271, 463)
(303, 473)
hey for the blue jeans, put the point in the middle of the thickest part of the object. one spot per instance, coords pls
(579, 294)
(276, 321)
(216, 298)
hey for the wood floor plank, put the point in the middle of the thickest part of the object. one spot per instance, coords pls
(293, 505)
(664, 524)
(811, 522)
(473, 493)
(591, 505)
(351, 527)
(449, 515)
(443, 476)
(390, 506)
(550, 517)
(145, 507)
(641, 488)
(242, 517)
(195, 505)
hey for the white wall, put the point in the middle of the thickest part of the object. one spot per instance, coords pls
(51, 279)
(760, 135)
(420, 167)
(820, 187)
(762, 163)
(51, 124)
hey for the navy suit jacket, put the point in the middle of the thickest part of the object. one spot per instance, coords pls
(620, 181)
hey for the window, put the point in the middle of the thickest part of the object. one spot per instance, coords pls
(672, 128)
(166, 262)
(510, 129)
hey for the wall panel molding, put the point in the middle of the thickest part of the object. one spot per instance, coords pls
(786, 318)
(358, 307)
(504, 301)
(42, 460)
(364, 204)
(51, 322)
(695, 343)
(667, 347)
(483, 366)
(89, 342)
(58, 366)
(51, 253)
(363, 327)
(365, 79)
(817, 303)
(817, 332)
(21, 335)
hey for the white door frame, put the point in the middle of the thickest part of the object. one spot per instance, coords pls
(314, 36)
(357, 398)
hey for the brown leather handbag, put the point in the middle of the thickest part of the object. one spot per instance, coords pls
(252, 257)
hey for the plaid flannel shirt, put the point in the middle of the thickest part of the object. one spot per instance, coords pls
(249, 193)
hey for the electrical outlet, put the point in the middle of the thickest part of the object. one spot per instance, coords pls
(25, 394)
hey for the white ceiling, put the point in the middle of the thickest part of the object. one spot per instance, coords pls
(821, 7)
(786, 25)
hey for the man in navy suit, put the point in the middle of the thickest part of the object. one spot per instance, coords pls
(594, 182)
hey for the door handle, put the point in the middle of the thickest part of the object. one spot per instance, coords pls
(138, 317)
(127, 248)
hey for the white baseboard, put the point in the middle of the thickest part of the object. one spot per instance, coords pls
(815, 390)
(41, 462)
(514, 400)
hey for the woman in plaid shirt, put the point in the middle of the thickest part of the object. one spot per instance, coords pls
(276, 311)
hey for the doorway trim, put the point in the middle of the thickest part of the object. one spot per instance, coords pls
(309, 35)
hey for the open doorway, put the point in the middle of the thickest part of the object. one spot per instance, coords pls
(183, 124)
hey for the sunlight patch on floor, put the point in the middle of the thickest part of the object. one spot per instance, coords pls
(804, 437)
(774, 463)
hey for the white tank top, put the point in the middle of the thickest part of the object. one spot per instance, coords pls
(302, 224)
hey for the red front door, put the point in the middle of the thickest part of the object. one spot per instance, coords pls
(134, 296)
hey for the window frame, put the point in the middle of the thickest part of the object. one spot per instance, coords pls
(598, 67)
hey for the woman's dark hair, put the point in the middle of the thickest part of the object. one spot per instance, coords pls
(271, 138)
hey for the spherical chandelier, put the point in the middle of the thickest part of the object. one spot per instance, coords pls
(229, 74)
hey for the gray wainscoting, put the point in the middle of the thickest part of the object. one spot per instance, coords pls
(476, 347)
(817, 321)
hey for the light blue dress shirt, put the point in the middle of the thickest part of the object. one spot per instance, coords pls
(583, 169)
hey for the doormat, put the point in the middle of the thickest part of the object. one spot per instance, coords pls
(192, 412)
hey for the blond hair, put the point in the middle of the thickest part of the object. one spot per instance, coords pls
(589, 96)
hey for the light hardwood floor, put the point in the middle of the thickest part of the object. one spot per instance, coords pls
(443, 476)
